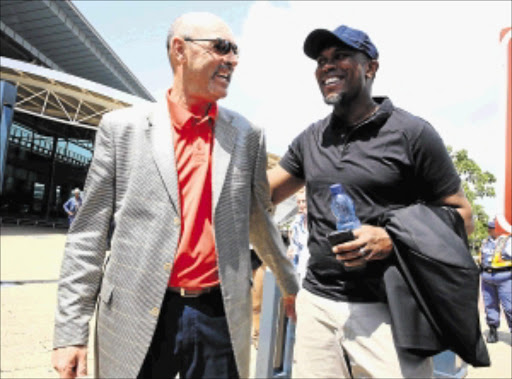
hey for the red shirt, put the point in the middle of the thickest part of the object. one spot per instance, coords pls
(195, 265)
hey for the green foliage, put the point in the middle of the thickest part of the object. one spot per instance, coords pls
(477, 184)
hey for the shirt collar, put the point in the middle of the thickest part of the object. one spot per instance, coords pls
(184, 117)
(378, 118)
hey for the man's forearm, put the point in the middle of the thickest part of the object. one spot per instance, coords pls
(282, 184)
(462, 205)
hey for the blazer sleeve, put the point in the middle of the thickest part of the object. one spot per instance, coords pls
(66, 206)
(81, 270)
(263, 233)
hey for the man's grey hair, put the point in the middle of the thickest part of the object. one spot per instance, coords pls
(183, 24)
(170, 33)
(186, 26)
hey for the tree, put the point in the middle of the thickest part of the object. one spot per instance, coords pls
(477, 184)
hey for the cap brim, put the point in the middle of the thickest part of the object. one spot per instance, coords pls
(319, 39)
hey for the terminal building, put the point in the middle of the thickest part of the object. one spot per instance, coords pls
(58, 77)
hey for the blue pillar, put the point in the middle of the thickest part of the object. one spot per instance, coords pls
(268, 345)
(268, 326)
(288, 350)
(8, 93)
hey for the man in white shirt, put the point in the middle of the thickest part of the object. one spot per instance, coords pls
(298, 250)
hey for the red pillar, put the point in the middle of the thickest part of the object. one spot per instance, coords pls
(504, 220)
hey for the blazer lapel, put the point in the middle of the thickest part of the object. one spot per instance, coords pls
(225, 138)
(159, 129)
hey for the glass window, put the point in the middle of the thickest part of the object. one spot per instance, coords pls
(57, 195)
(38, 191)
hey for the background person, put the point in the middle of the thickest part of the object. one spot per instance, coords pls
(299, 236)
(185, 181)
(72, 206)
(496, 262)
(386, 158)
(258, 274)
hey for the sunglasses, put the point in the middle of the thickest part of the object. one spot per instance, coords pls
(221, 46)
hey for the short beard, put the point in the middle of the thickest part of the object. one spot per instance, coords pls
(333, 99)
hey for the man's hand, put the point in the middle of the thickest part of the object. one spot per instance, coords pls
(289, 307)
(369, 243)
(70, 361)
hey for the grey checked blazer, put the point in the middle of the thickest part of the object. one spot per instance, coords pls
(133, 181)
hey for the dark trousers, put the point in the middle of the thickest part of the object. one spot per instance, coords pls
(496, 289)
(191, 339)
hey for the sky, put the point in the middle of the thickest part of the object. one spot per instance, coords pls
(442, 61)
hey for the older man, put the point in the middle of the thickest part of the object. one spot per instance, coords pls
(183, 180)
(386, 159)
(72, 206)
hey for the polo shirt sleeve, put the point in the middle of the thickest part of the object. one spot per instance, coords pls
(435, 172)
(293, 159)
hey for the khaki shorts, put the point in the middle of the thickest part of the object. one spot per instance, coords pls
(336, 339)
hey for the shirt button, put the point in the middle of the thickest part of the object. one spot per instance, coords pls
(167, 266)
(176, 220)
(154, 311)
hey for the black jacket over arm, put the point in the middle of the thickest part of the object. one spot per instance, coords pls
(432, 292)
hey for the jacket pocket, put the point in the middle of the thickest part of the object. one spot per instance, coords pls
(106, 291)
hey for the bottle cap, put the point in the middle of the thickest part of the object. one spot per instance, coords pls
(336, 189)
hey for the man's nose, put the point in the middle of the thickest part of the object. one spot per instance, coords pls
(232, 59)
(329, 65)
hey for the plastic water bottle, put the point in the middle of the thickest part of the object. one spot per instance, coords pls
(343, 209)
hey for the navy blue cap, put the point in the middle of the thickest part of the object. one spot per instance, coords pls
(490, 225)
(319, 39)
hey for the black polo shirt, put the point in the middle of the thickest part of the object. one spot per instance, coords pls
(391, 160)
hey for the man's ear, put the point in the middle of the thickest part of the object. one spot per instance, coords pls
(373, 66)
(177, 50)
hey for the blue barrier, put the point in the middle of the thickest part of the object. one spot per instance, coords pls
(448, 365)
(275, 360)
(8, 93)
(268, 320)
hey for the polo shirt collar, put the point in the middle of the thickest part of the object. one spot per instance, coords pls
(378, 118)
(183, 117)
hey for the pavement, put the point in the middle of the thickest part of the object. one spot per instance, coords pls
(29, 269)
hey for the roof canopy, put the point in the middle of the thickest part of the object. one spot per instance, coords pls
(56, 35)
(61, 97)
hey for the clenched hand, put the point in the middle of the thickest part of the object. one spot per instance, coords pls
(70, 361)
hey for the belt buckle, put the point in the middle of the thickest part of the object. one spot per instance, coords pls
(185, 293)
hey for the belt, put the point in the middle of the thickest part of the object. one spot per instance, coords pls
(491, 270)
(186, 292)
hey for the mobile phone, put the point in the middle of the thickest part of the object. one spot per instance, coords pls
(340, 236)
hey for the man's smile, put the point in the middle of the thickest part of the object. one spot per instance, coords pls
(332, 81)
(224, 74)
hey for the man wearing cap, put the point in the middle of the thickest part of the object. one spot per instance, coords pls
(495, 260)
(386, 158)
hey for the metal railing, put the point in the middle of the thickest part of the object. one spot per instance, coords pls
(43, 146)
